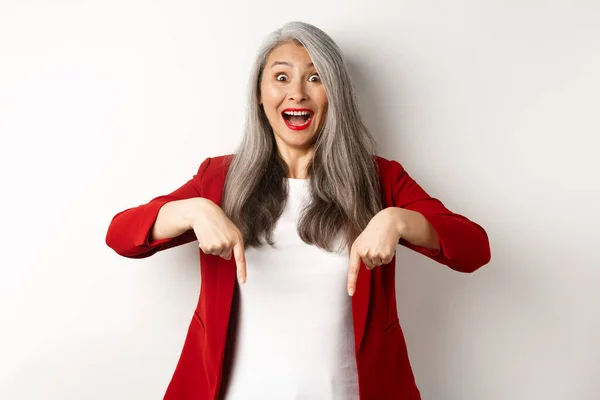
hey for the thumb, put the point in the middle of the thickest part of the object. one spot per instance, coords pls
(240, 260)
(353, 270)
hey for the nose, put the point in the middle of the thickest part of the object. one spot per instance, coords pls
(297, 91)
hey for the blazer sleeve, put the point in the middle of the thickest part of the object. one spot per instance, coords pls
(464, 245)
(130, 230)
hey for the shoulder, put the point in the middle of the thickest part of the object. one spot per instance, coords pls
(220, 161)
(386, 163)
(381, 161)
(215, 167)
(388, 169)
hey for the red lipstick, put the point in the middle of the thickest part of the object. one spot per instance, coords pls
(298, 127)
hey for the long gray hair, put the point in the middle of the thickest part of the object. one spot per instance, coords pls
(344, 179)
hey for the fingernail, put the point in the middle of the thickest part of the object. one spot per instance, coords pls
(350, 291)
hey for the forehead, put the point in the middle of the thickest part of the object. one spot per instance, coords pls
(292, 53)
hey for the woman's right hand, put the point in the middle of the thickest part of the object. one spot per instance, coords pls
(218, 235)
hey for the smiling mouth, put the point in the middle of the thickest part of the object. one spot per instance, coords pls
(299, 119)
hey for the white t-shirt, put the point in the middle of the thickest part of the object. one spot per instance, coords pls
(294, 335)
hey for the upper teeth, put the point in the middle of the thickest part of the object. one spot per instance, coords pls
(296, 112)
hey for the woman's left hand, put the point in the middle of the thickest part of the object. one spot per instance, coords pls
(376, 245)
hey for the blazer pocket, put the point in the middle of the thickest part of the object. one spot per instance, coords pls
(198, 319)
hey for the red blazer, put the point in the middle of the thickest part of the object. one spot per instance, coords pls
(384, 370)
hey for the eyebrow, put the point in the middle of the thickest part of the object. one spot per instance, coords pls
(288, 64)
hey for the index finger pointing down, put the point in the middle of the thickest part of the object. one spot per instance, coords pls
(353, 271)
(240, 260)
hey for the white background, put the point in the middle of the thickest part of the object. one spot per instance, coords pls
(493, 107)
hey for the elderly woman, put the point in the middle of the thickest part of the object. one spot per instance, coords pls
(312, 217)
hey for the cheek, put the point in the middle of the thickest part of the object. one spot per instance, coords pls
(321, 98)
(324, 108)
(271, 98)
(270, 93)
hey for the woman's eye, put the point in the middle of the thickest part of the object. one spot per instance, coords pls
(283, 75)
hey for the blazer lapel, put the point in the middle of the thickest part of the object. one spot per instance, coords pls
(360, 304)
(225, 270)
